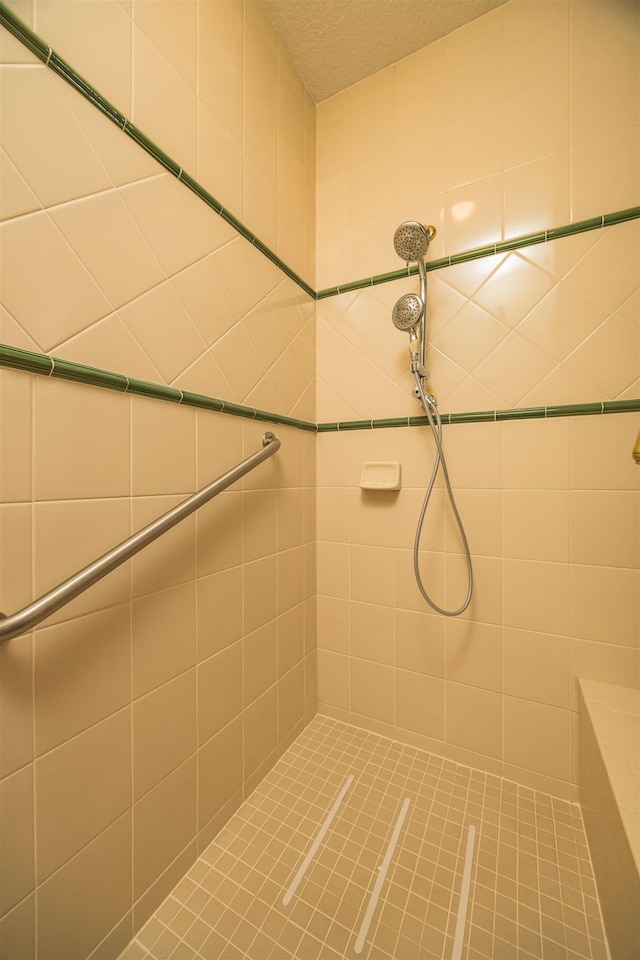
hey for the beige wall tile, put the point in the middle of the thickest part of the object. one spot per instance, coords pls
(536, 525)
(219, 771)
(290, 566)
(474, 654)
(15, 440)
(431, 565)
(525, 583)
(84, 36)
(219, 528)
(372, 633)
(536, 667)
(259, 580)
(219, 615)
(164, 731)
(259, 525)
(420, 642)
(171, 559)
(15, 563)
(407, 508)
(474, 719)
(219, 691)
(333, 624)
(98, 876)
(160, 323)
(604, 528)
(333, 679)
(259, 661)
(108, 262)
(604, 604)
(163, 629)
(371, 518)
(599, 452)
(524, 467)
(608, 663)
(82, 674)
(171, 28)
(80, 789)
(290, 639)
(164, 822)
(68, 535)
(420, 704)
(481, 512)
(152, 471)
(153, 77)
(90, 457)
(372, 690)
(260, 731)
(333, 569)
(16, 838)
(290, 523)
(16, 704)
(333, 513)
(371, 571)
(538, 736)
(537, 193)
(74, 169)
(291, 705)
(486, 603)
(18, 927)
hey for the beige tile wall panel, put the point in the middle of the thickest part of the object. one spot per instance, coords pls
(80, 904)
(17, 833)
(545, 611)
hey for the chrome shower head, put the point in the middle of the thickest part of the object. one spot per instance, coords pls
(411, 240)
(408, 311)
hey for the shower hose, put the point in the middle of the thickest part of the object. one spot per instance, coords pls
(435, 423)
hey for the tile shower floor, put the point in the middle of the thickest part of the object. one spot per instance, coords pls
(531, 892)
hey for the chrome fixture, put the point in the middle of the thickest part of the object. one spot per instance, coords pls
(411, 241)
(42, 608)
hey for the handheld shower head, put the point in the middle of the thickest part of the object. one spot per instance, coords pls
(411, 240)
(408, 311)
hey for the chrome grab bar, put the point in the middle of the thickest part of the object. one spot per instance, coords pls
(23, 620)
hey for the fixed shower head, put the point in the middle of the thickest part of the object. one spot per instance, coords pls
(411, 240)
(408, 311)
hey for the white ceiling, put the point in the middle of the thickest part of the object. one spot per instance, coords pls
(336, 43)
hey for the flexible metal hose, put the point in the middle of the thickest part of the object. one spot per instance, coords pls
(435, 423)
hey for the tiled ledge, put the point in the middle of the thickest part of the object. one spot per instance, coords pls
(50, 58)
(48, 366)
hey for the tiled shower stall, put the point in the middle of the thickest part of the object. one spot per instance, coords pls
(153, 329)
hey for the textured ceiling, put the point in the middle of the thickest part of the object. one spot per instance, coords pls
(336, 43)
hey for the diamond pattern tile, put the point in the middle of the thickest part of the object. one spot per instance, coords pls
(571, 307)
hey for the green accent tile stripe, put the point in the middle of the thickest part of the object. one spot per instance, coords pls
(66, 370)
(31, 362)
(523, 413)
(51, 59)
(491, 416)
(155, 391)
(44, 52)
(25, 360)
(24, 34)
(64, 70)
(489, 250)
(620, 216)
